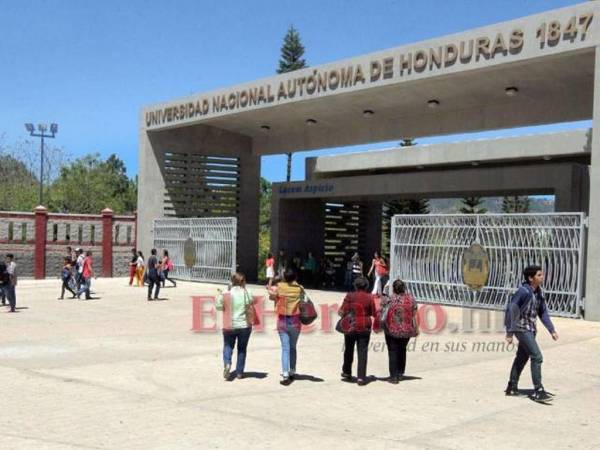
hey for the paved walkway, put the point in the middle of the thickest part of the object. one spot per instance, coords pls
(123, 373)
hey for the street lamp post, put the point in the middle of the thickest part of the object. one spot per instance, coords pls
(42, 127)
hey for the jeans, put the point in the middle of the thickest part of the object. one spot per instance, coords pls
(362, 348)
(85, 287)
(166, 277)
(396, 347)
(153, 281)
(528, 349)
(242, 335)
(289, 331)
(12, 296)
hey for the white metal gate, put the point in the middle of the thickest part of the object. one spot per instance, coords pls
(427, 250)
(202, 249)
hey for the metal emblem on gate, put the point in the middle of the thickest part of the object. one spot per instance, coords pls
(475, 267)
(189, 253)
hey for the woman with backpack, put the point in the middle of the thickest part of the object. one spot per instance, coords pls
(167, 267)
(356, 312)
(287, 296)
(399, 321)
(237, 324)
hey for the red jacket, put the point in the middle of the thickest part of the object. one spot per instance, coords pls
(356, 312)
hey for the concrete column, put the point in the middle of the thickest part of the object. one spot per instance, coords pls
(297, 226)
(570, 191)
(150, 193)
(107, 242)
(249, 209)
(372, 228)
(39, 259)
(592, 285)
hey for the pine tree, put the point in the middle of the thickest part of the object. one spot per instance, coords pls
(291, 59)
(516, 204)
(472, 205)
(292, 51)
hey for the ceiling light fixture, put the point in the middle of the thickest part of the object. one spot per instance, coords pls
(433, 103)
(511, 91)
(311, 121)
(368, 113)
(265, 128)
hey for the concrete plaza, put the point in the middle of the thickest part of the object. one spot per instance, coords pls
(123, 373)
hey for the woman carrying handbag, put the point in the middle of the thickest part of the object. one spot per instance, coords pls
(399, 321)
(238, 318)
(356, 312)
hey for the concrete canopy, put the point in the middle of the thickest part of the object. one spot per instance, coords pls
(554, 81)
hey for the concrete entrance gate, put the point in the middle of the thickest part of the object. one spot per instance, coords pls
(534, 70)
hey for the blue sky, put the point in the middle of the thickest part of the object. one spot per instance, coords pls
(90, 66)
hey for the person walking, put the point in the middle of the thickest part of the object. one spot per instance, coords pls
(282, 263)
(140, 266)
(87, 271)
(66, 275)
(527, 304)
(153, 275)
(356, 312)
(69, 254)
(287, 307)
(167, 267)
(79, 266)
(4, 281)
(379, 266)
(357, 267)
(399, 322)
(237, 325)
(133, 266)
(269, 269)
(11, 289)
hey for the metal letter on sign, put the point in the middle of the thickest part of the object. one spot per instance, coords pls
(475, 267)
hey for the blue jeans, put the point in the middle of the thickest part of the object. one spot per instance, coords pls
(85, 287)
(289, 331)
(528, 349)
(242, 335)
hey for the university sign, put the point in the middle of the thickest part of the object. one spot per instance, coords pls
(402, 64)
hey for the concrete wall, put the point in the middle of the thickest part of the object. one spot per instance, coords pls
(201, 140)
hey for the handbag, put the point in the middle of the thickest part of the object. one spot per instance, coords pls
(346, 323)
(251, 315)
(308, 312)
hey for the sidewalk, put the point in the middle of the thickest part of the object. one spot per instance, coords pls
(123, 373)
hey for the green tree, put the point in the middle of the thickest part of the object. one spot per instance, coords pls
(292, 52)
(90, 184)
(264, 231)
(516, 204)
(472, 205)
(19, 190)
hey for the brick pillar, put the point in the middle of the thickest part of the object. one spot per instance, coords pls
(107, 242)
(39, 255)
